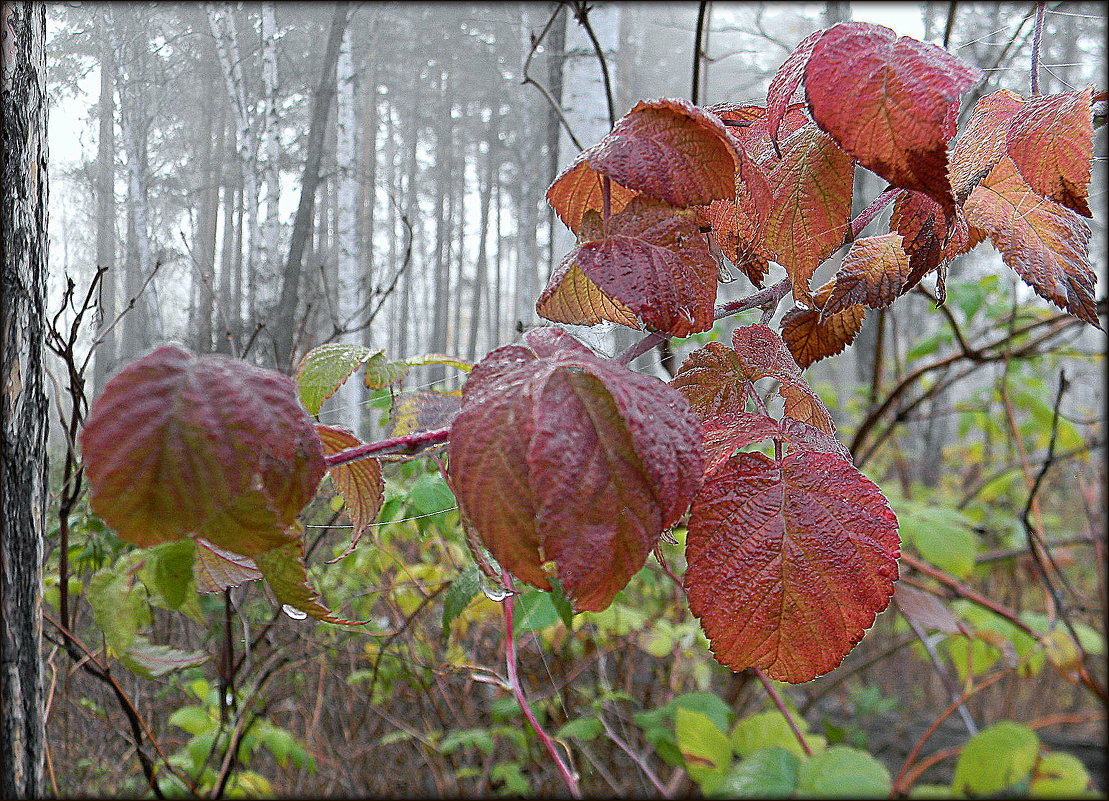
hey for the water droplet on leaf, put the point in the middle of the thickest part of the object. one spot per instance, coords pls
(293, 612)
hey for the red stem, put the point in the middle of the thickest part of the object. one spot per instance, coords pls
(518, 691)
(871, 211)
(406, 445)
(778, 702)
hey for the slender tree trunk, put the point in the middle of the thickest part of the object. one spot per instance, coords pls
(23, 210)
(204, 241)
(481, 268)
(271, 136)
(286, 317)
(227, 341)
(556, 50)
(105, 360)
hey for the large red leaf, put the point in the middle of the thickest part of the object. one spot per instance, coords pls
(565, 462)
(810, 187)
(671, 150)
(930, 237)
(359, 483)
(786, 83)
(789, 562)
(712, 380)
(982, 143)
(873, 274)
(890, 102)
(179, 446)
(1045, 242)
(1050, 139)
(650, 259)
(579, 189)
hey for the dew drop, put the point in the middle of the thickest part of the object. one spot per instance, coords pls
(293, 612)
(496, 594)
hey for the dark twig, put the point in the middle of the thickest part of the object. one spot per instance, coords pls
(698, 39)
(527, 79)
(581, 13)
(1037, 33)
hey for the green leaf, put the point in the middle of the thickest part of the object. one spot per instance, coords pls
(766, 773)
(428, 496)
(534, 611)
(326, 368)
(284, 570)
(507, 708)
(705, 749)
(515, 782)
(114, 608)
(1059, 775)
(479, 738)
(942, 535)
(439, 358)
(581, 729)
(771, 729)
(151, 661)
(842, 772)
(462, 590)
(380, 372)
(193, 719)
(170, 568)
(561, 603)
(996, 759)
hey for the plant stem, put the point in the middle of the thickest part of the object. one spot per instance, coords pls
(778, 702)
(871, 211)
(407, 445)
(1041, 7)
(509, 604)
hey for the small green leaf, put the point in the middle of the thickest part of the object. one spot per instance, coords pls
(534, 611)
(767, 773)
(769, 729)
(581, 729)
(996, 759)
(193, 719)
(380, 372)
(561, 603)
(326, 368)
(944, 536)
(706, 750)
(439, 358)
(515, 782)
(428, 497)
(842, 772)
(479, 738)
(462, 590)
(1059, 775)
(114, 608)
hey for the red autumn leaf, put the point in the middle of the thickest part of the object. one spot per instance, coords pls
(1050, 139)
(749, 125)
(736, 231)
(1046, 243)
(180, 446)
(723, 434)
(805, 437)
(359, 482)
(810, 187)
(651, 259)
(763, 354)
(564, 461)
(579, 189)
(929, 236)
(811, 338)
(671, 150)
(786, 83)
(890, 102)
(873, 274)
(982, 144)
(216, 569)
(789, 562)
(712, 381)
(572, 297)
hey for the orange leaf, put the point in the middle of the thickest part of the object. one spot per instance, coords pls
(1051, 142)
(810, 188)
(671, 150)
(1045, 242)
(930, 237)
(736, 231)
(359, 482)
(580, 189)
(890, 102)
(873, 274)
(713, 381)
(982, 144)
(811, 339)
(572, 297)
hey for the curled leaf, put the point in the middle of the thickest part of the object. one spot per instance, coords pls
(580, 189)
(873, 274)
(359, 482)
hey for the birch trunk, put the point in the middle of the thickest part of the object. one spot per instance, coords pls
(346, 220)
(105, 359)
(23, 210)
(271, 138)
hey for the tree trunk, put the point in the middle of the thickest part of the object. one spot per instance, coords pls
(284, 333)
(556, 49)
(23, 210)
(271, 137)
(481, 268)
(204, 240)
(105, 360)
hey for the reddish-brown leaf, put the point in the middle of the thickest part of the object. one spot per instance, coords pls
(890, 102)
(930, 237)
(180, 446)
(810, 187)
(671, 150)
(713, 381)
(579, 189)
(216, 569)
(650, 259)
(736, 230)
(982, 144)
(785, 86)
(359, 482)
(1050, 139)
(1045, 242)
(873, 274)
(811, 339)
(763, 354)
(422, 411)
(571, 297)
(723, 434)
(789, 562)
(567, 462)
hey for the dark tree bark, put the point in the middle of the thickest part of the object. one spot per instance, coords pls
(105, 362)
(285, 332)
(23, 209)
